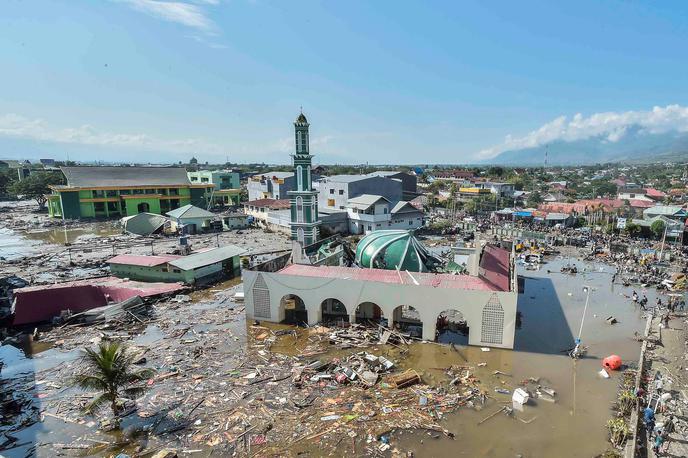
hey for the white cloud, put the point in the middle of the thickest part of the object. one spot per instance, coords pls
(16, 126)
(612, 126)
(189, 14)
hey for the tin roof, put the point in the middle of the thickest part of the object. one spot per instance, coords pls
(99, 177)
(205, 258)
(391, 276)
(141, 260)
(189, 211)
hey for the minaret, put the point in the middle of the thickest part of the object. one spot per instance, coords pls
(304, 200)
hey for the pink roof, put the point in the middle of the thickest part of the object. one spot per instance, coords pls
(638, 203)
(391, 276)
(651, 192)
(43, 302)
(141, 260)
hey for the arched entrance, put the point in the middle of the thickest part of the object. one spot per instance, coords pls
(334, 312)
(407, 319)
(294, 310)
(143, 207)
(369, 312)
(451, 327)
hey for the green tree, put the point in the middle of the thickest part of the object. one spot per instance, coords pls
(37, 186)
(631, 228)
(108, 369)
(657, 228)
(7, 179)
(534, 199)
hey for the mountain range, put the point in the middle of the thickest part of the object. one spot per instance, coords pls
(635, 146)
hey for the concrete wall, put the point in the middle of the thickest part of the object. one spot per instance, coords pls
(385, 187)
(428, 301)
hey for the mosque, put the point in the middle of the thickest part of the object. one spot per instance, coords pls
(393, 279)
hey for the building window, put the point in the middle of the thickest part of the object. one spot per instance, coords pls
(314, 211)
(493, 321)
(370, 228)
(299, 178)
(341, 192)
(261, 298)
(299, 234)
(410, 223)
(332, 191)
(299, 209)
(384, 210)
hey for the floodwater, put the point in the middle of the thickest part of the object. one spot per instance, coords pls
(17, 244)
(60, 236)
(552, 308)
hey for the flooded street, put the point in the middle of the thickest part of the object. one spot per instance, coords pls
(552, 307)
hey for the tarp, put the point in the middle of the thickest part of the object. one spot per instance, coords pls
(523, 214)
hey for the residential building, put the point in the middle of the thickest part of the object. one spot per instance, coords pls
(260, 209)
(369, 213)
(638, 193)
(335, 191)
(270, 185)
(191, 220)
(197, 268)
(102, 192)
(227, 184)
(669, 211)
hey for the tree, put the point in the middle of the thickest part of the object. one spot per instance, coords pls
(37, 186)
(109, 371)
(657, 228)
(7, 179)
(631, 228)
(534, 199)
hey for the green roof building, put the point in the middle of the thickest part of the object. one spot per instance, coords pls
(106, 192)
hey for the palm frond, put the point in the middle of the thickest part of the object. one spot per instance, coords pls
(98, 402)
(90, 382)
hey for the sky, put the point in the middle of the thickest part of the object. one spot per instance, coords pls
(380, 81)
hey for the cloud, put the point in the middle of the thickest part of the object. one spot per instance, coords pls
(611, 126)
(17, 126)
(189, 14)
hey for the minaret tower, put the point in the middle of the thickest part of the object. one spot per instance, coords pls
(304, 200)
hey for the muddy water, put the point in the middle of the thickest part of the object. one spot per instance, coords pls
(60, 236)
(17, 244)
(552, 307)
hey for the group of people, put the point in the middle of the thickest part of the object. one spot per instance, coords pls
(661, 433)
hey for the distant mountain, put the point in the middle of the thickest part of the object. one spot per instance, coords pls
(635, 146)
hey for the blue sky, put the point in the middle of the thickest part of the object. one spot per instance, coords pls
(380, 81)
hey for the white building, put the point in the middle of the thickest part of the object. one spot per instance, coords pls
(368, 213)
(486, 299)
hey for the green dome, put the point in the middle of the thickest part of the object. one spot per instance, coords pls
(394, 250)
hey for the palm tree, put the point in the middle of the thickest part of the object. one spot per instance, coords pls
(108, 369)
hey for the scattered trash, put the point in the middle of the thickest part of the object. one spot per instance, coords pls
(520, 396)
(603, 373)
(484, 348)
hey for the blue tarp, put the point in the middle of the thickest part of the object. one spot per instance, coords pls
(523, 214)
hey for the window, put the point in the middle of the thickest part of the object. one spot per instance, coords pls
(332, 191)
(384, 210)
(410, 223)
(341, 192)
(314, 210)
(204, 179)
(299, 178)
(99, 206)
(341, 207)
(177, 271)
(299, 234)
(308, 177)
(377, 225)
(299, 209)
(370, 228)
(194, 178)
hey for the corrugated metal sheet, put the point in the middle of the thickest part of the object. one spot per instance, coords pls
(206, 258)
(140, 260)
(391, 276)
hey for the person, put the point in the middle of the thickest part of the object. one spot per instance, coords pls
(665, 319)
(669, 425)
(640, 396)
(659, 302)
(643, 302)
(649, 420)
(659, 440)
(635, 296)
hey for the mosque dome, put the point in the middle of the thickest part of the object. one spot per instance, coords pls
(394, 250)
(302, 119)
